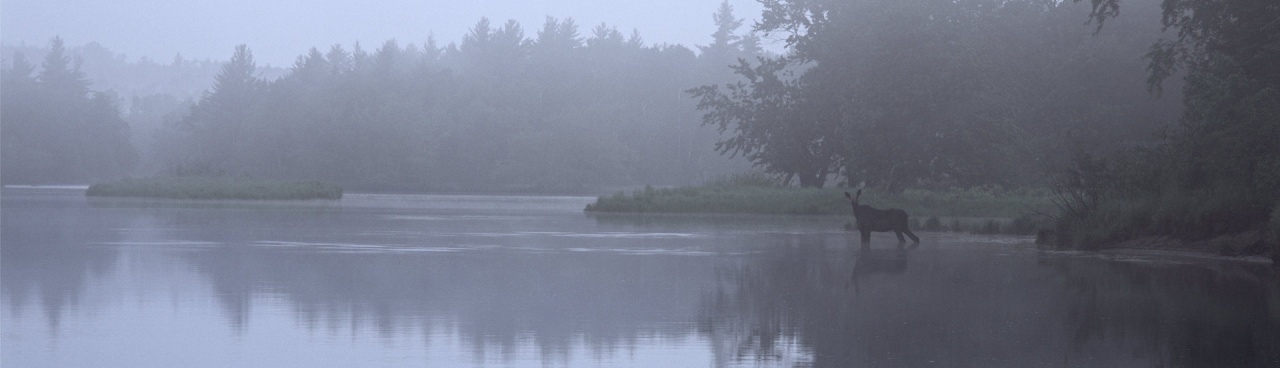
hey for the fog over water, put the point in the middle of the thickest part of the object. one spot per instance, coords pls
(408, 280)
(640, 183)
(279, 31)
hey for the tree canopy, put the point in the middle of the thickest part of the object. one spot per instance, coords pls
(500, 110)
(55, 130)
(935, 93)
(1217, 171)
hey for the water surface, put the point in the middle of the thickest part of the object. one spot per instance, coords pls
(497, 281)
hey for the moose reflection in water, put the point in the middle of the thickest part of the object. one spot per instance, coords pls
(874, 219)
(878, 262)
(979, 304)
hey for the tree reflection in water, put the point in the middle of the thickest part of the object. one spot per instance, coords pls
(754, 294)
(965, 305)
(42, 254)
(496, 302)
(1179, 314)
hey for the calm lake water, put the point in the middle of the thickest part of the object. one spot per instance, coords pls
(497, 281)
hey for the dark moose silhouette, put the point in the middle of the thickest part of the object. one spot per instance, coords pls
(874, 219)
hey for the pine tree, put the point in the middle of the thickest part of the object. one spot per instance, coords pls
(724, 43)
(237, 80)
(53, 131)
(558, 36)
(749, 44)
(61, 76)
(339, 59)
(19, 137)
(20, 72)
(220, 125)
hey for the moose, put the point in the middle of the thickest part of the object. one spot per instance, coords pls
(874, 219)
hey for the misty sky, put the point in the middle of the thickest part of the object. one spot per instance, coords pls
(279, 30)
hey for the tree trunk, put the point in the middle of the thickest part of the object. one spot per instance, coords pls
(812, 180)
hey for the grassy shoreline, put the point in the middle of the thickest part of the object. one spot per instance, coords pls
(1215, 220)
(977, 210)
(217, 188)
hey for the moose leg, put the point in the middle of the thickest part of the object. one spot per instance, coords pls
(866, 237)
(914, 238)
(900, 238)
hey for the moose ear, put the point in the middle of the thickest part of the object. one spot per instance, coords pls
(847, 195)
(859, 192)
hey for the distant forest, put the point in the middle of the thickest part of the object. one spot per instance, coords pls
(499, 111)
(894, 94)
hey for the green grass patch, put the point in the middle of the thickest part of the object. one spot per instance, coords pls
(929, 206)
(1187, 215)
(192, 187)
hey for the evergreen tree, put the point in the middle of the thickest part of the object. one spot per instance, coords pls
(221, 125)
(20, 131)
(60, 75)
(558, 36)
(338, 59)
(237, 81)
(724, 41)
(497, 111)
(53, 131)
(431, 50)
(108, 151)
(604, 36)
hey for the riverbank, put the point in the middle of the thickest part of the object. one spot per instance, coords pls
(1251, 243)
(983, 210)
(1211, 221)
(216, 188)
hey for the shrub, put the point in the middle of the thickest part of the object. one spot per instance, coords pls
(932, 224)
(754, 178)
(990, 226)
(1028, 224)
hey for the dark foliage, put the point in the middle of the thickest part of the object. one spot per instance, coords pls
(927, 93)
(54, 129)
(498, 112)
(1216, 172)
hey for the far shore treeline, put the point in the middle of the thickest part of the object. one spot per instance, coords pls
(563, 109)
(1158, 120)
(979, 95)
(201, 187)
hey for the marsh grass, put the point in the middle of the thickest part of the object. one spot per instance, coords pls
(1021, 225)
(974, 202)
(977, 210)
(196, 187)
(1188, 215)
